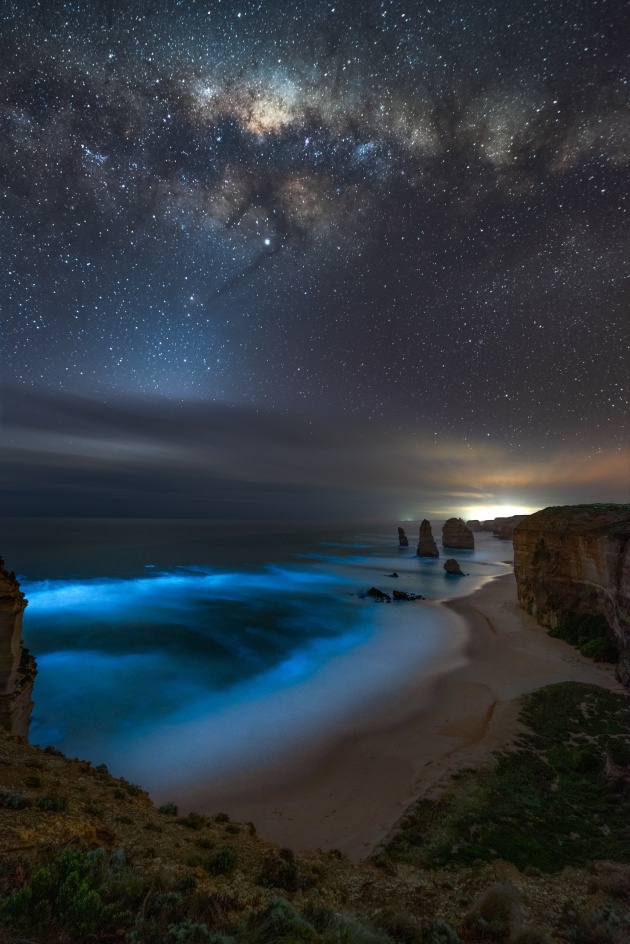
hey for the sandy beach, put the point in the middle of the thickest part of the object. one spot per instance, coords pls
(348, 793)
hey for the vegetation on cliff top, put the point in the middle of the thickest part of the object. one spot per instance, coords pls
(561, 797)
(96, 861)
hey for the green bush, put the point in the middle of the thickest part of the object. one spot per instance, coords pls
(168, 809)
(193, 821)
(13, 801)
(279, 923)
(52, 804)
(223, 861)
(439, 932)
(591, 634)
(67, 893)
(495, 911)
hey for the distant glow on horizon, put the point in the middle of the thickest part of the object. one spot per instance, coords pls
(471, 513)
(486, 512)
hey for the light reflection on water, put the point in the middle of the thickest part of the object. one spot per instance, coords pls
(168, 656)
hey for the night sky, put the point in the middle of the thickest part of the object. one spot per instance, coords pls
(283, 259)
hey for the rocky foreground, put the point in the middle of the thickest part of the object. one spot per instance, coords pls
(86, 856)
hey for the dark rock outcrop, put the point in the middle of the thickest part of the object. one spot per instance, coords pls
(451, 566)
(474, 525)
(378, 594)
(426, 545)
(572, 568)
(401, 595)
(17, 665)
(456, 534)
(403, 540)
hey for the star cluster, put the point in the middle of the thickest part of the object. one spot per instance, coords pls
(412, 212)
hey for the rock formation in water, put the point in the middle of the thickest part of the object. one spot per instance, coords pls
(456, 534)
(572, 568)
(451, 566)
(378, 595)
(474, 526)
(403, 540)
(17, 666)
(426, 545)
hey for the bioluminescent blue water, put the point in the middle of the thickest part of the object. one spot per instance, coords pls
(181, 640)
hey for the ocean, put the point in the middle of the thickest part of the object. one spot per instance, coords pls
(181, 651)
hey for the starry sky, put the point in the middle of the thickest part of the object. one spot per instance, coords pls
(283, 258)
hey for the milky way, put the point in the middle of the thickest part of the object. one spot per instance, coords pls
(411, 214)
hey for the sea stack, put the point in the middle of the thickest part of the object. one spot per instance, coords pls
(572, 569)
(17, 665)
(474, 525)
(403, 540)
(451, 566)
(426, 545)
(456, 534)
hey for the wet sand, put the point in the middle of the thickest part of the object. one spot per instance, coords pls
(348, 789)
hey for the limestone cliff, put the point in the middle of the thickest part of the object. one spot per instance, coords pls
(403, 540)
(17, 666)
(503, 527)
(572, 565)
(456, 534)
(426, 544)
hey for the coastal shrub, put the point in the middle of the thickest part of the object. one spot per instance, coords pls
(530, 936)
(193, 821)
(402, 927)
(439, 932)
(279, 871)
(66, 894)
(189, 932)
(52, 804)
(223, 861)
(590, 633)
(168, 809)
(496, 911)
(334, 928)
(279, 923)
(13, 801)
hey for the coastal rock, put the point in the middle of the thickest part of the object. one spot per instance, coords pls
(426, 545)
(17, 665)
(451, 566)
(502, 527)
(456, 534)
(474, 525)
(378, 594)
(401, 595)
(403, 540)
(572, 562)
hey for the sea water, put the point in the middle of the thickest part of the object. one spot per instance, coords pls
(175, 651)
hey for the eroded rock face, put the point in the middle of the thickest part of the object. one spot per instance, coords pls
(403, 540)
(456, 534)
(474, 525)
(426, 545)
(574, 560)
(451, 566)
(17, 666)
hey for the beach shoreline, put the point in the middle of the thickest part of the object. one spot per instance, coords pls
(349, 789)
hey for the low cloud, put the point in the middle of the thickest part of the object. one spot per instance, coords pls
(72, 455)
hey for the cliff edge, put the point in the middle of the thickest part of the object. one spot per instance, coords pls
(17, 665)
(572, 568)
